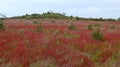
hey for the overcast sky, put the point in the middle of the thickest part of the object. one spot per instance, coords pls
(81, 8)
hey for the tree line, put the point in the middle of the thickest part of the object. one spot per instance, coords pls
(54, 15)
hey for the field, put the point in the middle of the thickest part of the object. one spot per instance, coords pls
(54, 43)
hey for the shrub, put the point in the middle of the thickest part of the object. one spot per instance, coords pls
(71, 26)
(56, 32)
(53, 21)
(97, 25)
(35, 22)
(90, 26)
(77, 18)
(112, 27)
(1, 25)
(27, 17)
(97, 35)
(39, 28)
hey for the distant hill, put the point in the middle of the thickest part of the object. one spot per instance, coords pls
(53, 15)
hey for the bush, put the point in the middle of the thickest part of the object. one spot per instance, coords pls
(77, 18)
(39, 28)
(53, 21)
(71, 26)
(112, 27)
(35, 22)
(96, 35)
(97, 25)
(1, 25)
(90, 26)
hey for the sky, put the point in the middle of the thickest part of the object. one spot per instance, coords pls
(81, 8)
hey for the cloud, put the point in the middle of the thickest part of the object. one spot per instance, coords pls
(90, 9)
(95, 12)
(78, 11)
(83, 8)
(53, 1)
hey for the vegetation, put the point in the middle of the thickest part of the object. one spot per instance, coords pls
(44, 15)
(97, 35)
(90, 26)
(97, 24)
(71, 26)
(54, 15)
(56, 46)
(35, 22)
(53, 21)
(2, 25)
(112, 27)
(39, 28)
(50, 44)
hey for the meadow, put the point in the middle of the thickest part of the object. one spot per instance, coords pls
(59, 43)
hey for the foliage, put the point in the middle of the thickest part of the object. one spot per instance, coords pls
(44, 15)
(39, 28)
(112, 27)
(56, 32)
(53, 21)
(97, 35)
(55, 15)
(97, 25)
(71, 26)
(2, 25)
(57, 46)
(35, 22)
(90, 26)
(77, 18)
(67, 35)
